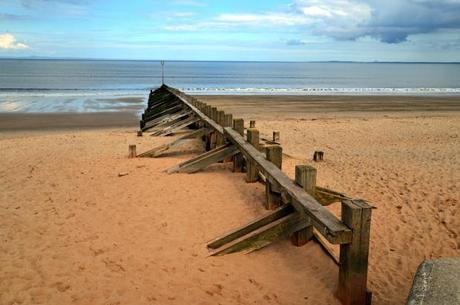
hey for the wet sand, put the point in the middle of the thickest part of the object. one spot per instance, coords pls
(262, 107)
(55, 121)
(74, 232)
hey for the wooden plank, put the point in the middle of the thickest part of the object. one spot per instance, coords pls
(262, 237)
(166, 120)
(327, 197)
(322, 219)
(331, 250)
(153, 123)
(252, 226)
(210, 123)
(212, 158)
(157, 151)
(181, 125)
(198, 158)
(166, 109)
(354, 256)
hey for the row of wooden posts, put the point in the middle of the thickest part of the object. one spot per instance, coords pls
(297, 207)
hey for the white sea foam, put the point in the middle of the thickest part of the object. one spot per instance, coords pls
(323, 91)
(94, 93)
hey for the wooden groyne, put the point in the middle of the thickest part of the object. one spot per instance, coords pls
(297, 206)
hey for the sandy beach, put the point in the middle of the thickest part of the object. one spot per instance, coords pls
(75, 231)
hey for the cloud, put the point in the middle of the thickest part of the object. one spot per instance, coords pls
(390, 21)
(12, 17)
(8, 41)
(75, 8)
(231, 21)
(261, 19)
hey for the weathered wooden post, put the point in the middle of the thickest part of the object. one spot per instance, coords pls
(276, 136)
(238, 125)
(220, 121)
(214, 113)
(305, 176)
(228, 122)
(252, 174)
(132, 151)
(274, 154)
(252, 124)
(352, 290)
(212, 135)
(318, 156)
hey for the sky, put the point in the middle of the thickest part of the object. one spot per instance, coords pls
(237, 30)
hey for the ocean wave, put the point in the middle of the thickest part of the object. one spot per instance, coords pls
(323, 91)
(142, 92)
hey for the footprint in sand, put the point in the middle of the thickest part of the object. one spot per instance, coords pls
(113, 266)
(61, 287)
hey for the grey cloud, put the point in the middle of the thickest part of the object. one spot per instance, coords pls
(390, 21)
(12, 17)
(295, 42)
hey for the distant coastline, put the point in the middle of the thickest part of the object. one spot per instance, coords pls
(221, 61)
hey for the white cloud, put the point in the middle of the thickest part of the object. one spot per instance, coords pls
(229, 21)
(389, 21)
(261, 19)
(339, 18)
(8, 41)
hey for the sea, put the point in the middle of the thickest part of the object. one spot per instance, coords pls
(52, 85)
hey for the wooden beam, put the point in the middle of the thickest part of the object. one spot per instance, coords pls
(238, 161)
(326, 196)
(252, 175)
(204, 160)
(157, 151)
(305, 177)
(181, 125)
(132, 151)
(276, 136)
(177, 125)
(167, 109)
(167, 120)
(322, 219)
(211, 123)
(354, 256)
(274, 154)
(250, 227)
(262, 237)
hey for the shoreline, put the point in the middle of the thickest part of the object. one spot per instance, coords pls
(247, 106)
(11, 122)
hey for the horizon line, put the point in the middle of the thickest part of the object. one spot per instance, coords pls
(201, 60)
